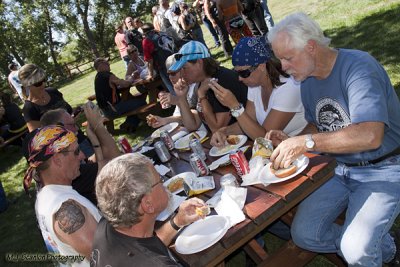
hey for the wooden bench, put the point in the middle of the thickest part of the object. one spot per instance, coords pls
(12, 139)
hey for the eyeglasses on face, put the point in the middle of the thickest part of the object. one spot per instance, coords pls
(172, 73)
(38, 84)
(179, 56)
(76, 152)
(247, 72)
(160, 181)
(132, 52)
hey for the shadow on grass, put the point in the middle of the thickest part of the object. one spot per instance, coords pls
(377, 34)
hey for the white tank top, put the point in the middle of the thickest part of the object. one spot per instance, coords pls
(48, 201)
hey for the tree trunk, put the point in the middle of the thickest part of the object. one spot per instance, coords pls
(51, 43)
(89, 35)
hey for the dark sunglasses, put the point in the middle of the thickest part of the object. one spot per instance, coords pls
(76, 151)
(247, 72)
(179, 56)
(38, 83)
(133, 51)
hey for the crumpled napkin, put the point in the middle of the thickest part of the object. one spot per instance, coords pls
(179, 135)
(228, 205)
(255, 164)
(161, 169)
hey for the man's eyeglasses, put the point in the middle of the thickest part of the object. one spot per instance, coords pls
(172, 74)
(247, 72)
(179, 56)
(76, 152)
(38, 84)
(159, 182)
(133, 51)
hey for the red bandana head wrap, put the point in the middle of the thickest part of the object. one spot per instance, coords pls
(45, 143)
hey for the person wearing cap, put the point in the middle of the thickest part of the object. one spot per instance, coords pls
(168, 99)
(353, 115)
(131, 195)
(121, 44)
(199, 67)
(273, 100)
(106, 86)
(14, 82)
(40, 99)
(66, 219)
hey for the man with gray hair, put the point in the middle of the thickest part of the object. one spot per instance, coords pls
(353, 114)
(130, 196)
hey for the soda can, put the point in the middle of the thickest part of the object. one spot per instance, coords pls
(163, 106)
(162, 151)
(240, 162)
(228, 180)
(199, 166)
(196, 147)
(124, 144)
(167, 139)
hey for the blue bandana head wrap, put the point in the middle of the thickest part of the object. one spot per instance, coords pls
(251, 51)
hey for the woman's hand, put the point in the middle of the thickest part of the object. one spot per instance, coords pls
(223, 95)
(218, 138)
(276, 136)
(181, 88)
(166, 99)
(156, 121)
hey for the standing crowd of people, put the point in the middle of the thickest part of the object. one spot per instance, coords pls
(287, 85)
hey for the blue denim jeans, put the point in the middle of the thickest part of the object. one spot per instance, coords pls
(371, 195)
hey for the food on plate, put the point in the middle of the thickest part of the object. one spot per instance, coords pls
(151, 119)
(284, 172)
(262, 147)
(175, 185)
(203, 210)
(233, 139)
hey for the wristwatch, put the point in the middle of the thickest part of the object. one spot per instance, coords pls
(237, 111)
(310, 142)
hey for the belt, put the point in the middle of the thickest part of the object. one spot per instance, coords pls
(369, 162)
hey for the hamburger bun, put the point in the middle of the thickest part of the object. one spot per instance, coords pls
(233, 139)
(203, 210)
(284, 172)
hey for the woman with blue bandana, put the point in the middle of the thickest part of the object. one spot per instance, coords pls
(273, 99)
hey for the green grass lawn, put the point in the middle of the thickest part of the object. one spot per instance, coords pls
(370, 25)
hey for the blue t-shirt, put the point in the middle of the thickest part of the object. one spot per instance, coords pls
(357, 90)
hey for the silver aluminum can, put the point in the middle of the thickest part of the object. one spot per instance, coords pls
(167, 139)
(228, 180)
(199, 165)
(196, 147)
(162, 151)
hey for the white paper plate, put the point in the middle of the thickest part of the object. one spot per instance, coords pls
(183, 142)
(216, 151)
(183, 175)
(201, 234)
(267, 176)
(174, 203)
(168, 127)
(224, 160)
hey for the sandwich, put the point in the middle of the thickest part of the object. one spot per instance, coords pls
(284, 172)
(233, 139)
(151, 119)
(203, 210)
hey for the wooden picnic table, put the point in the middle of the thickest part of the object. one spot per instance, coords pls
(264, 205)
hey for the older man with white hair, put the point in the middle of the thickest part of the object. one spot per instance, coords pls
(353, 114)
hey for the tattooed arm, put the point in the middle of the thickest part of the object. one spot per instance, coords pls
(75, 226)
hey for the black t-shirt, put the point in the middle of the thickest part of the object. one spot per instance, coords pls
(103, 90)
(114, 249)
(228, 79)
(13, 117)
(33, 112)
(135, 38)
(84, 184)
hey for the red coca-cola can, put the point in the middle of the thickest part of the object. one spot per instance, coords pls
(240, 162)
(124, 145)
